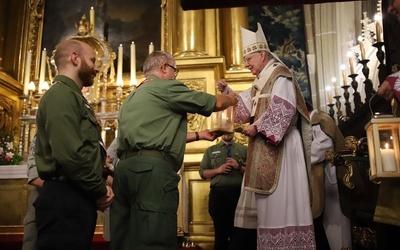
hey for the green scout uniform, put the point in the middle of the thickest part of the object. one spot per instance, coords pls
(225, 189)
(153, 118)
(70, 158)
(215, 156)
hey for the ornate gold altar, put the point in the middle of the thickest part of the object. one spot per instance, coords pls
(200, 61)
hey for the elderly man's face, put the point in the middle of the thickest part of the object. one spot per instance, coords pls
(255, 62)
(394, 8)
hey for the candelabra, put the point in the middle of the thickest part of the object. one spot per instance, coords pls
(30, 102)
(369, 89)
(23, 124)
(347, 104)
(356, 94)
(118, 94)
(331, 111)
(24, 104)
(338, 105)
(380, 54)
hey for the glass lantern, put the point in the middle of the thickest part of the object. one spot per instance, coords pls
(222, 121)
(383, 147)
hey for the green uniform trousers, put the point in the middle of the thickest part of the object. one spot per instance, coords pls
(144, 212)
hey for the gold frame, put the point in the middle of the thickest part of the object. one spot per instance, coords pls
(24, 20)
(376, 166)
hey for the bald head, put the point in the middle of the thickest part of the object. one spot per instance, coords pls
(76, 60)
(65, 49)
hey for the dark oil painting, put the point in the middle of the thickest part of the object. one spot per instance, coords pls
(117, 21)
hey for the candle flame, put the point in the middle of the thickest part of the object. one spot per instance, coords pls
(349, 54)
(31, 86)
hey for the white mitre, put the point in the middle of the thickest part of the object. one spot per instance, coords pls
(256, 41)
(253, 41)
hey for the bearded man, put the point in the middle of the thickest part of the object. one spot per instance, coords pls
(69, 154)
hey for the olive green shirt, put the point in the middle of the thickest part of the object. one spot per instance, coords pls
(155, 117)
(216, 155)
(68, 142)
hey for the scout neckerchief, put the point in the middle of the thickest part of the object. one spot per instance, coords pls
(144, 81)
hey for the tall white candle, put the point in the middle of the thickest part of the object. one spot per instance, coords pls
(388, 159)
(351, 63)
(42, 70)
(92, 19)
(362, 49)
(133, 64)
(378, 32)
(151, 47)
(334, 86)
(329, 97)
(344, 75)
(120, 81)
(27, 71)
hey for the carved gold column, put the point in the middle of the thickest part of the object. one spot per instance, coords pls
(232, 19)
(190, 32)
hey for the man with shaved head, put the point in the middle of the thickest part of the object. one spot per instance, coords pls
(69, 154)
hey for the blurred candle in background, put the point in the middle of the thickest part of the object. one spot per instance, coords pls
(334, 86)
(42, 70)
(151, 47)
(351, 63)
(378, 32)
(27, 71)
(344, 75)
(378, 27)
(362, 49)
(120, 81)
(92, 20)
(328, 91)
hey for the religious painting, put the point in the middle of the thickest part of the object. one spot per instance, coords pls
(283, 27)
(120, 22)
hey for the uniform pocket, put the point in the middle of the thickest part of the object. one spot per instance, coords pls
(141, 168)
(156, 222)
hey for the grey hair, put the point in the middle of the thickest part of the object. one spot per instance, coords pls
(155, 60)
(268, 54)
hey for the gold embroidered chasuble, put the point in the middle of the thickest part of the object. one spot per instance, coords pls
(264, 159)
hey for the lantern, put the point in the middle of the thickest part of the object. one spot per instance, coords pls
(222, 121)
(383, 147)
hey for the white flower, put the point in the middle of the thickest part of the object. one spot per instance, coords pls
(9, 145)
(1, 150)
(10, 154)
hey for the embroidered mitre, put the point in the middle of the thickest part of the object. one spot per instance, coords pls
(253, 41)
